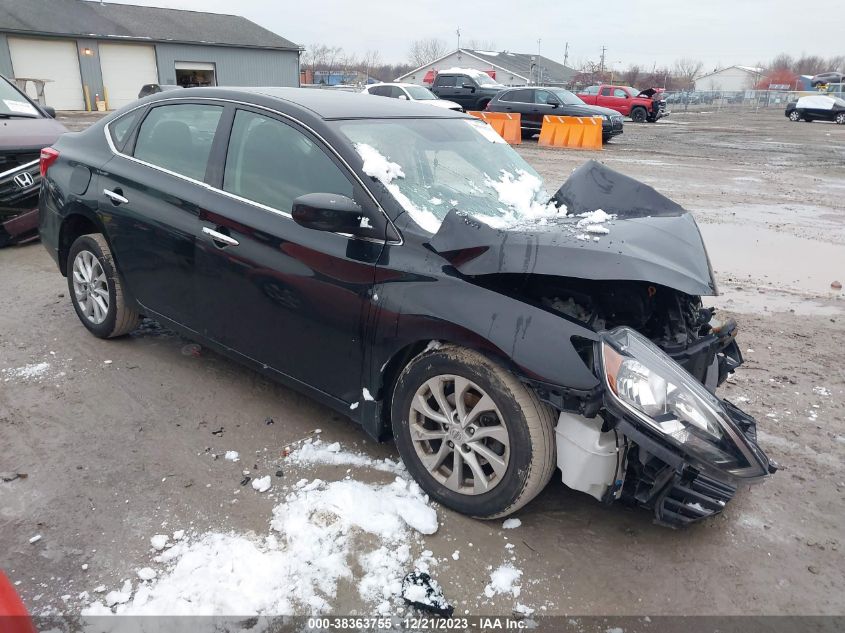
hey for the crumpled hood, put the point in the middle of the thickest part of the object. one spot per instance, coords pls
(652, 238)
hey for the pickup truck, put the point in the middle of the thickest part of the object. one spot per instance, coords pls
(471, 89)
(640, 105)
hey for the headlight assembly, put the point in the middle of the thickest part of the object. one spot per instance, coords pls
(663, 396)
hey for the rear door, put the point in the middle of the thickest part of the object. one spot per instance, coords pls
(291, 298)
(445, 87)
(151, 195)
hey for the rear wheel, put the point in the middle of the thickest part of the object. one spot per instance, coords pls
(483, 104)
(639, 115)
(473, 436)
(96, 289)
(795, 115)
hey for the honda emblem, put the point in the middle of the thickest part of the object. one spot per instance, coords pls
(24, 180)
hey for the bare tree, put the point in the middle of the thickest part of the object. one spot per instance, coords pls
(481, 45)
(810, 65)
(687, 69)
(423, 52)
(631, 75)
(369, 61)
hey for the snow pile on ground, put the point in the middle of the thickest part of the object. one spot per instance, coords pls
(33, 371)
(592, 224)
(378, 166)
(503, 580)
(297, 566)
(232, 456)
(521, 194)
(821, 391)
(318, 452)
(510, 524)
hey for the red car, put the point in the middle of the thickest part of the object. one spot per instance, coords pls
(25, 129)
(640, 105)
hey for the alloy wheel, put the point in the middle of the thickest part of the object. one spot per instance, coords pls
(459, 434)
(91, 287)
(840, 118)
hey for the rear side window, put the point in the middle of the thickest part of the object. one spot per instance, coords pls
(178, 137)
(518, 96)
(592, 90)
(380, 91)
(446, 81)
(272, 163)
(605, 92)
(120, 128)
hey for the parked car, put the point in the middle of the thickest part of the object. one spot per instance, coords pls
(533, 103)
(640, 105)
(817, 108)
(151, 89)
(410, 92)
(827, 78)
(470, 88)
(25, 128)
(386, 259)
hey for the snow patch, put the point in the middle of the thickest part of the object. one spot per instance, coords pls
(159, 542)
(262, 484)
(33, 371)
(232, 456)
(367, 396)
(521, 194)
(316, 452)
(510, 524)
(295, 568)
(503, 580)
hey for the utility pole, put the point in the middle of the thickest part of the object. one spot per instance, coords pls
(603, 53)
(458, 33)
(566, 54)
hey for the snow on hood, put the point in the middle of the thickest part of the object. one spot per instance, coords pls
(521, 195)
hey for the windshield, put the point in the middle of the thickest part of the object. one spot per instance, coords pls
(13, 104)
(432, 166)
(483, 79)
(418, 93)
(567, 98)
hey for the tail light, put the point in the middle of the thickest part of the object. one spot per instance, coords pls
(48, 157)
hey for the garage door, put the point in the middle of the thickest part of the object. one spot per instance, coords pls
(126, 68)
(54, 60)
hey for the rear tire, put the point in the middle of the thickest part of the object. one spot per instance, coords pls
(840, 118)
(501, 435)
(639, 115)
(96, 289)
(483, 104)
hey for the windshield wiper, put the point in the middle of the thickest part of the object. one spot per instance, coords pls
(10, 115)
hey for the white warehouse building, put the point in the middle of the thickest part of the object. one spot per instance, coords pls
(510, 69)
(730, 79)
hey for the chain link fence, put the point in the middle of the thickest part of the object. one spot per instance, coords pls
(741, 100)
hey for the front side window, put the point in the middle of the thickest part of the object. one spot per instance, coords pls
(179, 137)
(592, 90)
(619, 92)
(544, 97)
(271, 163)
(13, 104)
(420, 93)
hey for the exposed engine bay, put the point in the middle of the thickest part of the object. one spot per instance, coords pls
(675, 321)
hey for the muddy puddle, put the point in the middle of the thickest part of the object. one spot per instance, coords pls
(765, 256)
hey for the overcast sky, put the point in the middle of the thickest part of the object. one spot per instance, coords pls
(718, 32)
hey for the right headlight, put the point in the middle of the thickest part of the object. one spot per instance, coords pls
(661, 394)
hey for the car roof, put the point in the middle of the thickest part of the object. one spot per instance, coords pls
(403, 84)
(325, 104)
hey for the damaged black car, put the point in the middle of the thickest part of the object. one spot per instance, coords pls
(407, 267)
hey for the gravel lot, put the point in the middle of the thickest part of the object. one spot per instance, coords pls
(116, 440)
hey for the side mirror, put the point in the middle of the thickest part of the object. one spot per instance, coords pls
(51, 111)
(627, 96)
(403, 97)
(553, 102)
(467, 85)
(327, 212)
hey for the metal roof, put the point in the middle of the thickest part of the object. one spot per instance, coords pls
(519, 64)
(83, 18)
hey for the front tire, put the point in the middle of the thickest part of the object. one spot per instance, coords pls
(471, 434)
(639, 115)
(96, 289)
(795, 116)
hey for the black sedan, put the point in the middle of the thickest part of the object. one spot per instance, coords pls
(817, 108)
(533, 103)
(403, 265)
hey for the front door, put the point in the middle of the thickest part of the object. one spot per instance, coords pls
(615, 98)
(151, 197)
(291, 298)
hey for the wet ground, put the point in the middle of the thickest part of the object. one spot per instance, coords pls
(117, 438)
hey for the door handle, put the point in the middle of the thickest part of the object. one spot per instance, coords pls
(115, 196)
(216, 236)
